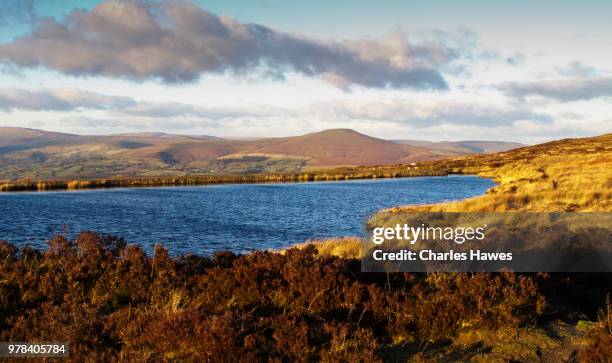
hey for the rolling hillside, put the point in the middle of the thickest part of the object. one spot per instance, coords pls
(35, 154)
(463, 147)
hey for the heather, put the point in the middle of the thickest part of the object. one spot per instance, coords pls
(112, 301)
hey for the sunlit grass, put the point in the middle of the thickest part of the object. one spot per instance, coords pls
(345, 247)
(567, 175)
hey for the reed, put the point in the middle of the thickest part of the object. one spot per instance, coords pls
(396, 171)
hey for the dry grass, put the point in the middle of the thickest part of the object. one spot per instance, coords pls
(345, 247)
(599, 341)
(345, 173)
(566, 175)
(547, 183)
(571, 175)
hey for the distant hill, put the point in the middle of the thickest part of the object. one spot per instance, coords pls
(16, 139)
(336, 147)
(464, 146)
(36, 154)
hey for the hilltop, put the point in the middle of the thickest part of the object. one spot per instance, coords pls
(43, 155)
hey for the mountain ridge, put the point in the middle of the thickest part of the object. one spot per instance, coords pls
(39, 154)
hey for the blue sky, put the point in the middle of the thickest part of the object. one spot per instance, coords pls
(437, 70)
(370, 17)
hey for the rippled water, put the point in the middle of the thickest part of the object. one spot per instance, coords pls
(237, 217)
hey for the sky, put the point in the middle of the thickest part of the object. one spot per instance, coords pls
(437, 70)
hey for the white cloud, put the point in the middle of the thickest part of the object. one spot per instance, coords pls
(429, 112)
(178, 41)
(573, 89)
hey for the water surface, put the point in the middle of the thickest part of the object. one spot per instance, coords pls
(236, 217)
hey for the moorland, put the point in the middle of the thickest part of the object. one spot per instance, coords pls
(43, 155)
(113, 302)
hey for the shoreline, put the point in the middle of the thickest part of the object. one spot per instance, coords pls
(465, 165)
(337, 174)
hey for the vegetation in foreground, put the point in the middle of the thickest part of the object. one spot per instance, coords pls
(566, 175)
(112, 302)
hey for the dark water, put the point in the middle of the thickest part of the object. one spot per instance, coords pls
(206, 219)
